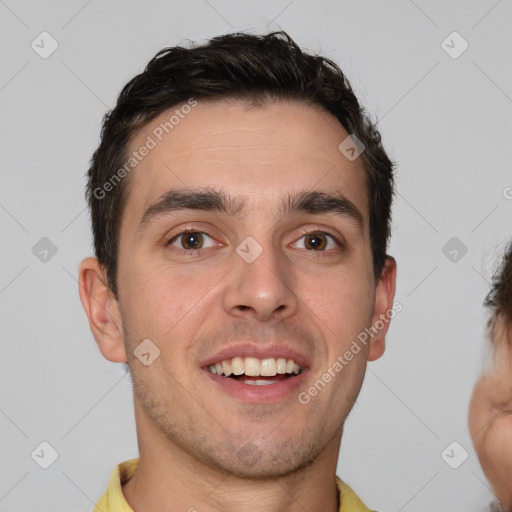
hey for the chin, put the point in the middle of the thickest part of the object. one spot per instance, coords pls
(267, 469)
(499, 507)
(254, 462)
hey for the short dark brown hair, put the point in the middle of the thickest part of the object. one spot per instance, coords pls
(253, 68)
(499, 298)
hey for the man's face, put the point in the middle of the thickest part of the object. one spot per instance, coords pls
(490, 418)
(300, 288)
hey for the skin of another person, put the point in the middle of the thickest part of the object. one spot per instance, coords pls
(490, 416)
(201, 445)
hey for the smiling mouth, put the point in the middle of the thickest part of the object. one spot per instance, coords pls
(256, 372)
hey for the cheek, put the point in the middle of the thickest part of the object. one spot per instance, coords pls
(495, 455)
(159, 303)
(343, 302)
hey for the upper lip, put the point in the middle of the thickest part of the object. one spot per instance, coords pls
(256, 350)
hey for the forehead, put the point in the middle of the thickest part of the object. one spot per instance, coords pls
(258, 153)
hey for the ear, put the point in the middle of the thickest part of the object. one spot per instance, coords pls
(384, 294)
(102, 310)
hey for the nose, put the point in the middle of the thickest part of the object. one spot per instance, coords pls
(262, 290)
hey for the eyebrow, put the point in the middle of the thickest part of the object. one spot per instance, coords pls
(213, 200)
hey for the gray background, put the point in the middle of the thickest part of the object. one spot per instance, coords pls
(446, 121)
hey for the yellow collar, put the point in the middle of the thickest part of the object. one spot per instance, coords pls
(113, 500)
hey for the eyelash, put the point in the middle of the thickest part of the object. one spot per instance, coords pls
(303, 234)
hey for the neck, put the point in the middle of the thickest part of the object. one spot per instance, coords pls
(168, 479)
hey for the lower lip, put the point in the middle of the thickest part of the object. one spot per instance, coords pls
(269, 393)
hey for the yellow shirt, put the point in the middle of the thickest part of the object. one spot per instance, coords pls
(113, 500)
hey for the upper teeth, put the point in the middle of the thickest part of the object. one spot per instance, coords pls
(254, 367)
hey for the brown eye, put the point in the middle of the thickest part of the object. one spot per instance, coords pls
(315, 241)
(192, 240)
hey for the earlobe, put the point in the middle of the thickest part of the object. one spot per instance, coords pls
(102, 310)
(377, 348)
(383, 310)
